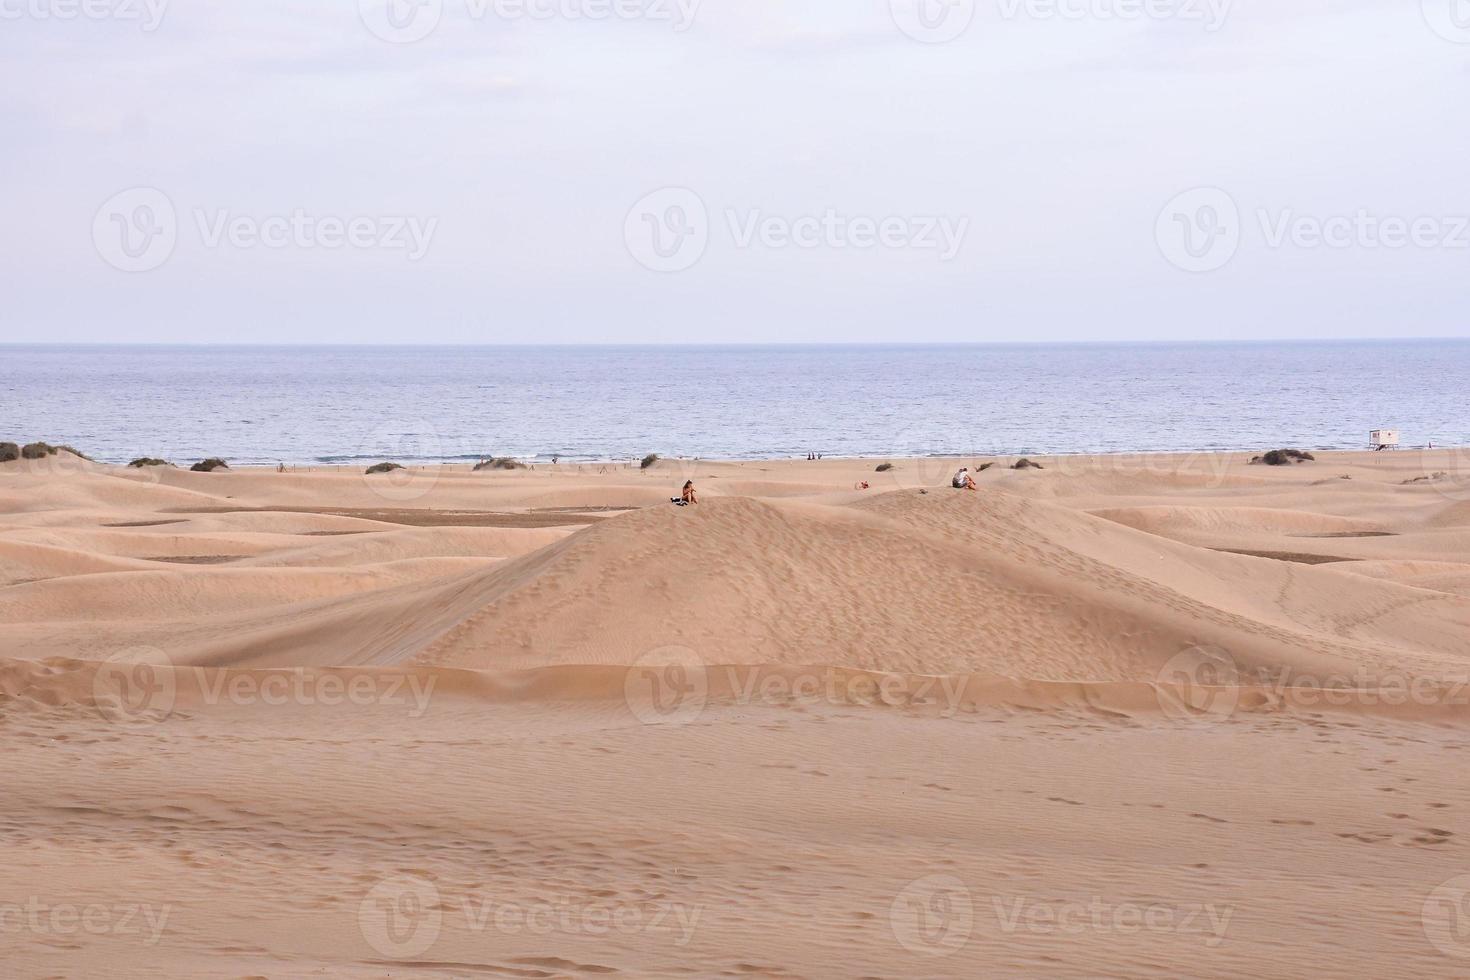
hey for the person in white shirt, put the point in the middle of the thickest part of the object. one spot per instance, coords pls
(963, 480)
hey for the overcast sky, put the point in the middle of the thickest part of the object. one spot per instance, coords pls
(733, 170)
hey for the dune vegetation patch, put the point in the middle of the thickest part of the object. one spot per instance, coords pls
(142, 461)
(499, 463)
(383, 468)
(209, 465)
(1283, 457)
(40, 450)
(9, 451)
(1026, 464)
(648, 461)
(884, 467)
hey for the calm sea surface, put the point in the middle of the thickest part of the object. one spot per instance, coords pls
(350, 404)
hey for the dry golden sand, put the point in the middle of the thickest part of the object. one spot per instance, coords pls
(544, 724)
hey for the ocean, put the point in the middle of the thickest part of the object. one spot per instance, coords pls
(302, 405)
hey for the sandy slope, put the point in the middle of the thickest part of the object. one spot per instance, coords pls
(812, 729)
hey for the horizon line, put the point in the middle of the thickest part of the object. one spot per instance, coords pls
(728, 344)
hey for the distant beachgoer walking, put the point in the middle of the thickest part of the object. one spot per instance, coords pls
(963, 480)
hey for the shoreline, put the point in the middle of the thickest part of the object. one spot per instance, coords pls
(538, 463)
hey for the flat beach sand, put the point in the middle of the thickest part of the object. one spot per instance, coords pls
(1119, 716)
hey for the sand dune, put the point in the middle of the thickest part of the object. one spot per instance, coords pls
(812, 729)
(1008, 581)
(1177, 522)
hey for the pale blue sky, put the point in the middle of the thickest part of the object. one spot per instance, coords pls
(509, 151)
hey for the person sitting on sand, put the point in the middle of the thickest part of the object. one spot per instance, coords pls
(688, 495)
(963, 480)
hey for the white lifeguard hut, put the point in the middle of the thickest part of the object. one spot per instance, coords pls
(1384, 439)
